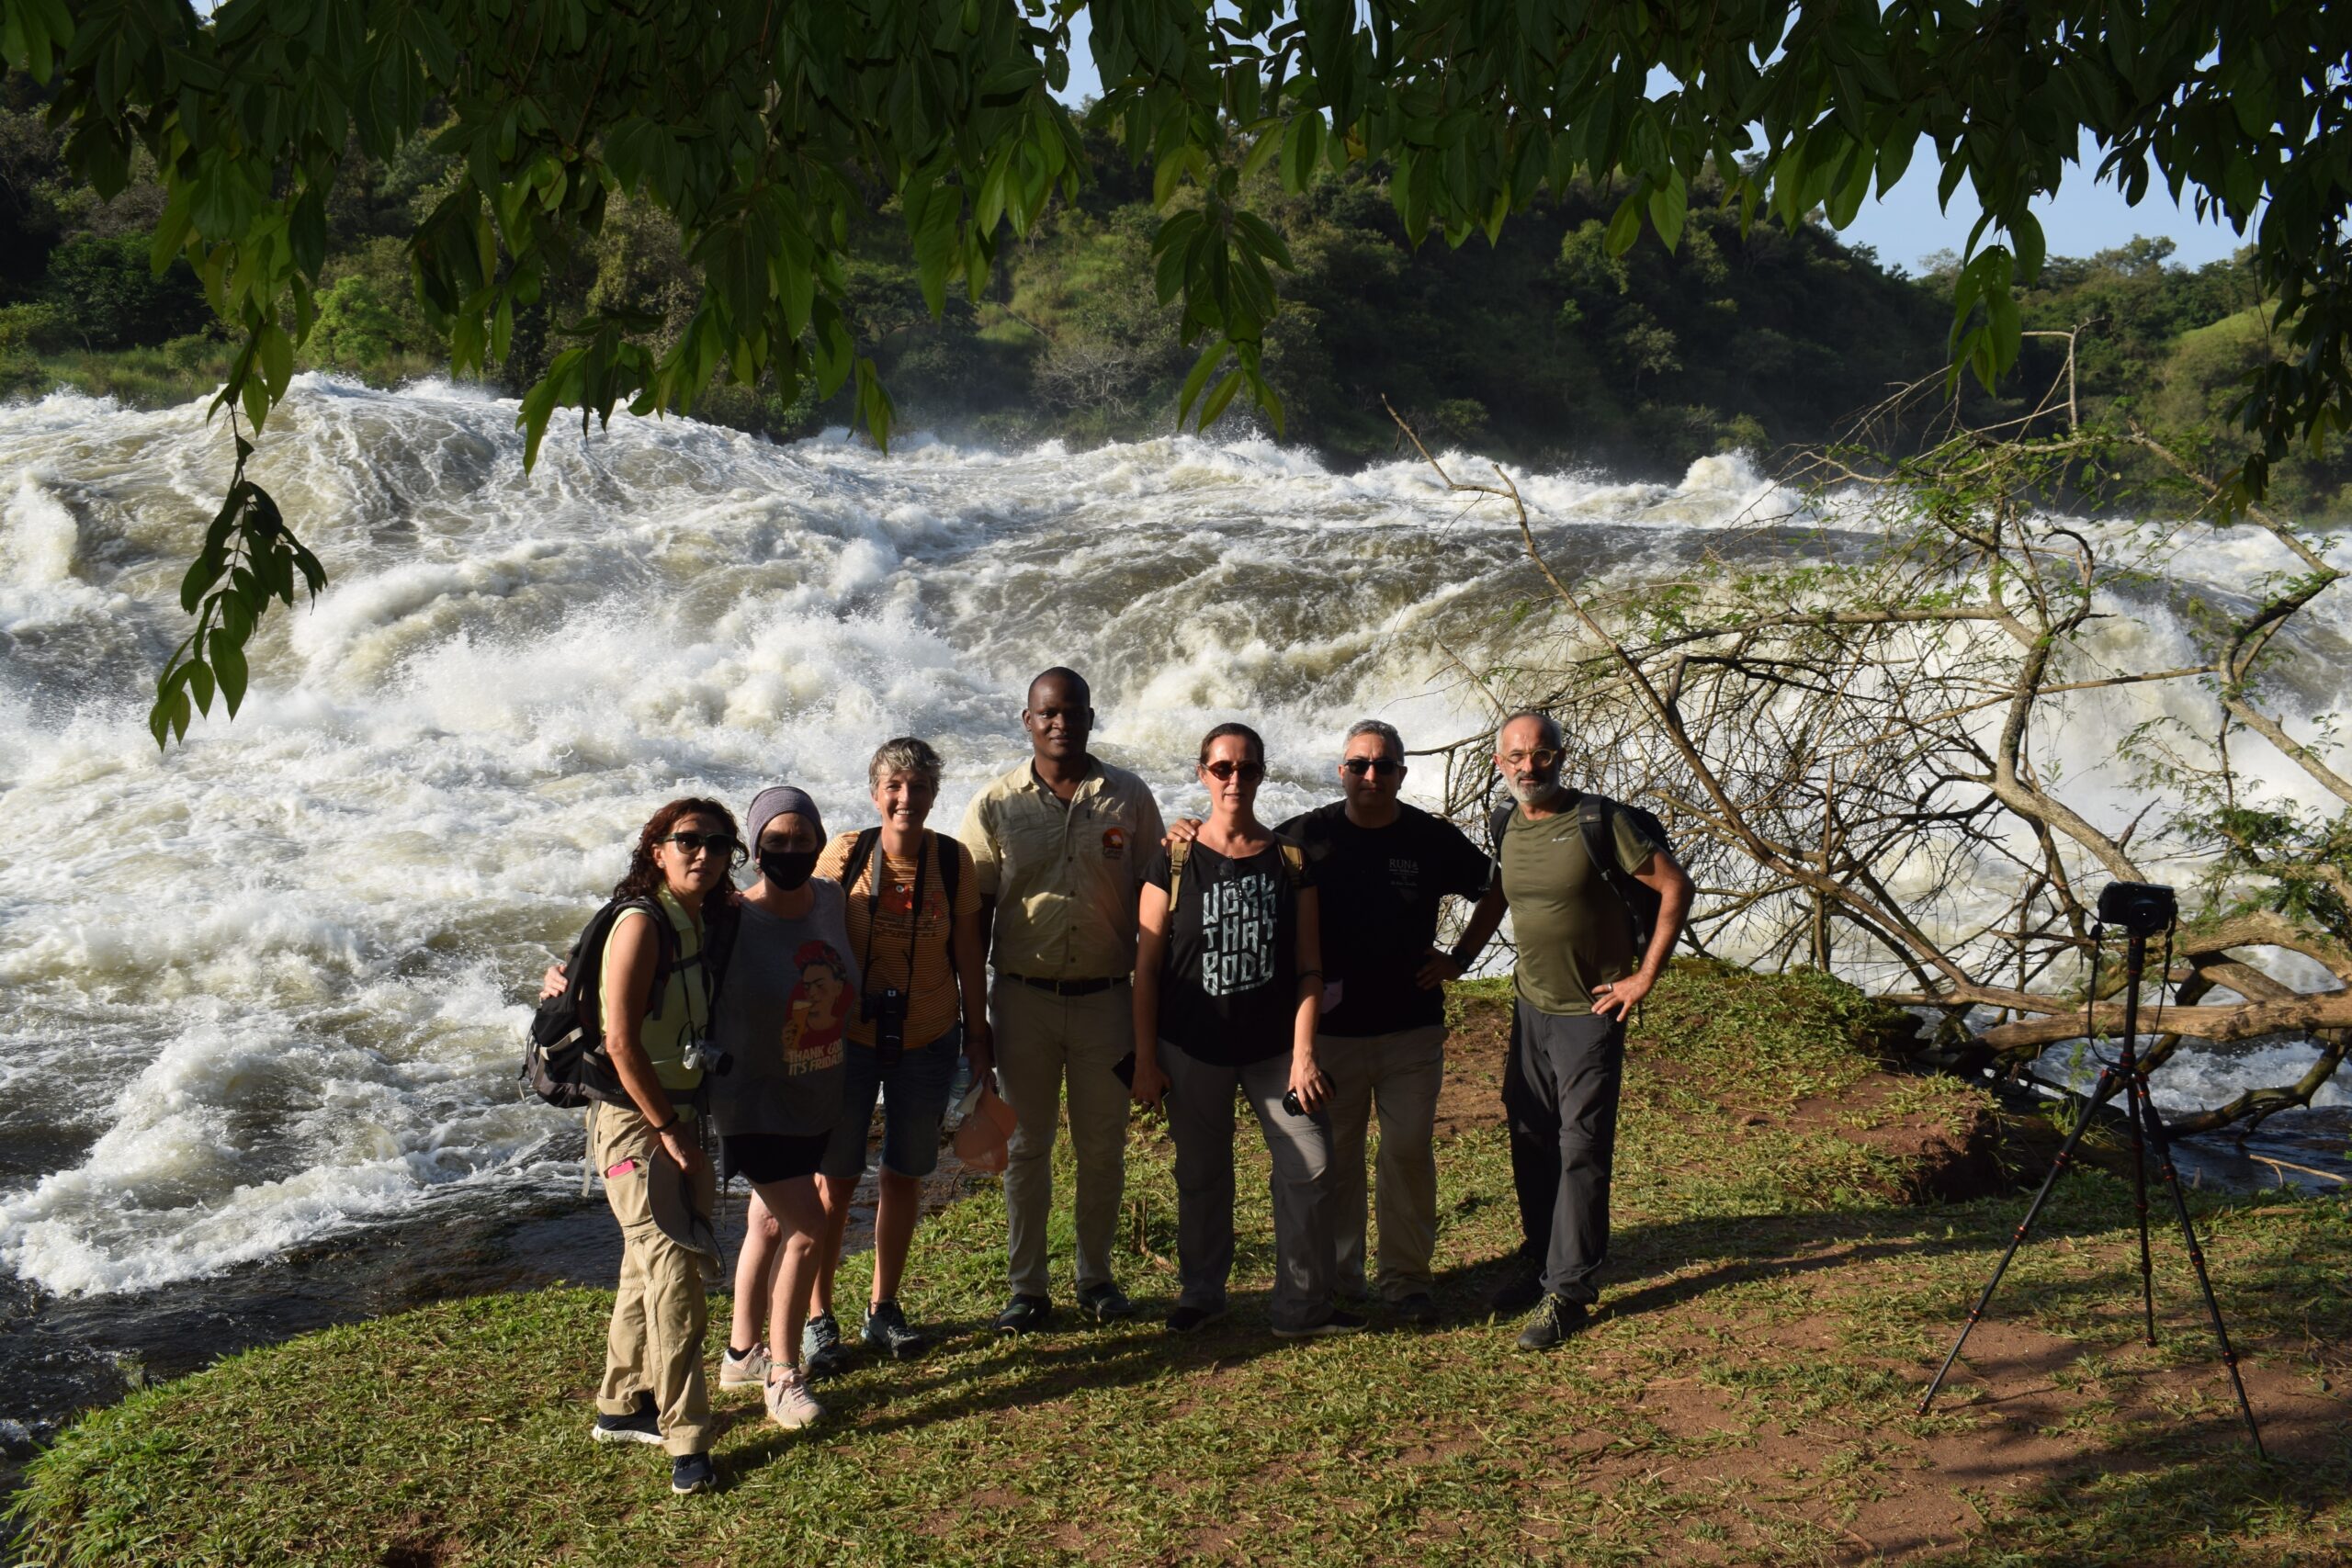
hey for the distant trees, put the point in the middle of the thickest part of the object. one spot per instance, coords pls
(765, 132)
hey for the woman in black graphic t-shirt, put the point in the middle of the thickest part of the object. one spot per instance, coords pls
(1227, 977)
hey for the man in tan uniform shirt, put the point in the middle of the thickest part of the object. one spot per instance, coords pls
(1059, 845)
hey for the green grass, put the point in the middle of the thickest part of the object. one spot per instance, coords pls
(1746, 1395)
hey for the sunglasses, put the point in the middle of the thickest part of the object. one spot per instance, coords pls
(1543, 757)
(692, 844)
(1223, 770)
(1382, 767)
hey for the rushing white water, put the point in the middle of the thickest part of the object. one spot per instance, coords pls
(266, 986)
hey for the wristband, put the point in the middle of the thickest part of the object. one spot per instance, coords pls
(1461, 960)
(674, 1119)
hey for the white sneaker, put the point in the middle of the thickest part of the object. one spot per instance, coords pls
(747, 1371)
(787, 1399)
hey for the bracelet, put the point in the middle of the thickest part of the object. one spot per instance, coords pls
(1305, 973)
(674, 1119)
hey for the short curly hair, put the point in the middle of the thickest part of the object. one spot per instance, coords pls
(904, 755)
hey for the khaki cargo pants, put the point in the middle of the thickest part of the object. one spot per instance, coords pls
(654, 1345)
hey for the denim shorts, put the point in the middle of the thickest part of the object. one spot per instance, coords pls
(914, 1100)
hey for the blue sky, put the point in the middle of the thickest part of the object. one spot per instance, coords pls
(1907, 225)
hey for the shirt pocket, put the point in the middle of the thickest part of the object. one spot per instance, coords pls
(1031, 841)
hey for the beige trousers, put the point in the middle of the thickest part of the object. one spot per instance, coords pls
(1044, 1041)
(1400, 1073)
(654, 1345)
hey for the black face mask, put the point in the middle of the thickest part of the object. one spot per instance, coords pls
(787, 869)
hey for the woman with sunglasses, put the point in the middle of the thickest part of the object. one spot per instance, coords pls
(791, 982)
(1227, 976)
(656, 1179)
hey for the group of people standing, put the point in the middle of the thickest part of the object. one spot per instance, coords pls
(1135, 963)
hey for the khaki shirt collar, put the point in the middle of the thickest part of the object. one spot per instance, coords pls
(1088, 782)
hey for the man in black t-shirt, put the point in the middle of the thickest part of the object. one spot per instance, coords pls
(1385, 868)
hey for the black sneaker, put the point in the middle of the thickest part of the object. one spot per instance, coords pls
(1553, 1321)
(692, 1472)
(886, 1330)
(1104, 1303)
(1520, 1294)
(1420, 1309)
(639, 1426)
(1191, 1319)
(821, 1352)
(1023, 1314)
(1341, 1321)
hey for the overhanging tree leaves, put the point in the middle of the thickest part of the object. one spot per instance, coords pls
(760, 126)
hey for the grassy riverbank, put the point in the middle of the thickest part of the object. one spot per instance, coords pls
(1777, 1302)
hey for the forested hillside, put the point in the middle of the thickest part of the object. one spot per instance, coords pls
(1542, 349)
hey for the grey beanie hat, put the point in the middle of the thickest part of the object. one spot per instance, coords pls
(782, 800)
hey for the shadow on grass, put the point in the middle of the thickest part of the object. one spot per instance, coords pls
(883, 1397)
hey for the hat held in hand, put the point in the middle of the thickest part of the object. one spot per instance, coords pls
(984, 1142)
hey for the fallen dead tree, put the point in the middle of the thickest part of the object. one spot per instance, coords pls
(1855, 748)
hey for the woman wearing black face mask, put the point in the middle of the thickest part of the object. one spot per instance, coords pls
(791, 983)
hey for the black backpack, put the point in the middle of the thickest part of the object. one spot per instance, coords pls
(1593, 811)
(563, 1056)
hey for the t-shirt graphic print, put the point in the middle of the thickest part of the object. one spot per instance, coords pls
(1229, 979)
(819, 1008)
(1237, 927)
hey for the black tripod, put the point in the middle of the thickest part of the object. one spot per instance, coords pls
(2147, 1128)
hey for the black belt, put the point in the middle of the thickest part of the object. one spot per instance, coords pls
(1070, 987)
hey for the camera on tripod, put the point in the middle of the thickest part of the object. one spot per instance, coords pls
(2141, 909)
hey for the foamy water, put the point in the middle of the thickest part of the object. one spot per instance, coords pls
(265, 988)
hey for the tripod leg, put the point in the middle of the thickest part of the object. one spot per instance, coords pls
(2171, 1177)
(2107, 1084)
(2135, 1098)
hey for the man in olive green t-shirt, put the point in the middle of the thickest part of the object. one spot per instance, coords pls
(1579, 974)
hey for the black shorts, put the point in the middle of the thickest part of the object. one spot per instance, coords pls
(761, 1157)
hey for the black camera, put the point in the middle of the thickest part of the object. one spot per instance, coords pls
(887, 1011)
(1291, 1104)
(2142, 909)
(700, 1057)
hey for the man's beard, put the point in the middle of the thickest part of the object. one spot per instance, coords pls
(1534, 794)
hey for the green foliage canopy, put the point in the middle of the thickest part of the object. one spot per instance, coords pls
(763, 128)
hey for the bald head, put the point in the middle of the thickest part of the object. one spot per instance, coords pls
(1069, 682)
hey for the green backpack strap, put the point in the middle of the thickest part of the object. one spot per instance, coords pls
(1177, 852)
(1295, 862)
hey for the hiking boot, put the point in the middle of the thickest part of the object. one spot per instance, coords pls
(1420, 1309)
(1520, 1294)
(1553, 1321)
(1341, 1321)
(1191, 1319)
(820, 1347)
(639, 1426)
(1104, 1303)
(1023, 1314)
(886, 1330)
(747, 1370)
(692, 1472)
(790, 1405)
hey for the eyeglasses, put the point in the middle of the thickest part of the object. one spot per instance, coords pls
(1543, 757)
(1223, 770)
(692, 844)
(1383, 766)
